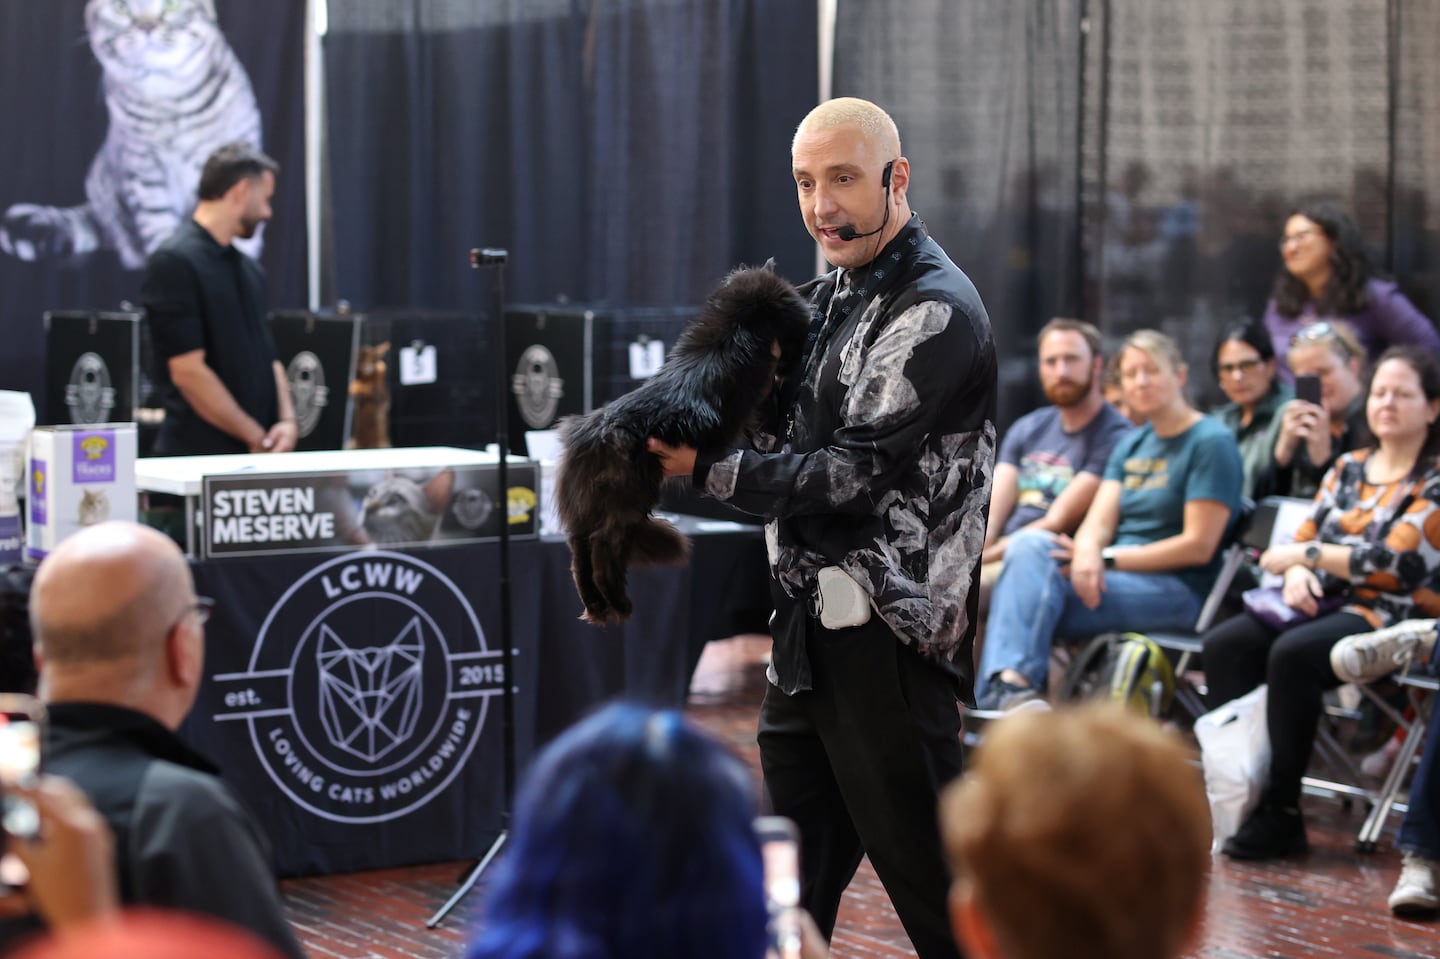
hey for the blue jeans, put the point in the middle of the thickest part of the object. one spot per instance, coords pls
(1420, 831)
(1033, 605)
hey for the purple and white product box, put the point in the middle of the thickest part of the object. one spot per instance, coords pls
(78, 476)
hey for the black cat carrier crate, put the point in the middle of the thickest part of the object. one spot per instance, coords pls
(92, 367)
(318, 352)
(571, 359)
(438, 376)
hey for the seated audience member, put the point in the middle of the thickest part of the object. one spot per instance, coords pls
(1312, 436)
(633, 837)
(1146, 553)
(1244, 364)
(1051, 459)
(1114, 391)
(1366, 658)
(119, 671)
(1372, 546)
(1081, 833)
(1328, 274)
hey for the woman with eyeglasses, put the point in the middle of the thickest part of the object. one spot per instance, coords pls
(1372, 546)
(1312, 435)
(1328, 273)
(1145, 555)
(1244, 363)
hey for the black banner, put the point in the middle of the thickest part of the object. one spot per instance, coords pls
(108, 121)
(355, 702)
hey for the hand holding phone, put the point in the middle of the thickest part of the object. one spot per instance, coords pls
(22, 736)
(780, 850)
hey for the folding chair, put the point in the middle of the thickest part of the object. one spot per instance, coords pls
(1421, 689)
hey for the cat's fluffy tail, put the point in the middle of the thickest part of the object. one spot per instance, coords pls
(658, 543)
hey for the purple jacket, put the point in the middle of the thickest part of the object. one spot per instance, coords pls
(1388, 319)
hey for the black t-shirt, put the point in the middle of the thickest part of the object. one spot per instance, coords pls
(199, 295)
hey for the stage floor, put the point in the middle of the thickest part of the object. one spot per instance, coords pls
(1330, 904)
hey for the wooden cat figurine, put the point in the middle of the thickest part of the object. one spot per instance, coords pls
(371, 392)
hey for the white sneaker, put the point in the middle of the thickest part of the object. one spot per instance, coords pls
(1366, 657)
(1415, 894)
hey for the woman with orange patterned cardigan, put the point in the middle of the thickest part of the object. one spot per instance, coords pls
(1373, 545)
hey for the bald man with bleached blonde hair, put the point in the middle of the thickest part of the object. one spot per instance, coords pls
(872, 467)
(120, 645)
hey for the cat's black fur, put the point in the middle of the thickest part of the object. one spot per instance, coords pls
(704, 396)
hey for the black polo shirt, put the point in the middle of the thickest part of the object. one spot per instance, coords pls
(199, 295)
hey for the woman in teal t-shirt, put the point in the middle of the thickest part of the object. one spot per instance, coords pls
(1146, 554)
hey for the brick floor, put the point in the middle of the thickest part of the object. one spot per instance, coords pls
(1331, 904)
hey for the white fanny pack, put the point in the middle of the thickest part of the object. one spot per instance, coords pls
(842, 602)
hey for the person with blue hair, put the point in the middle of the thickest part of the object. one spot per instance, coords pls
(633, 837)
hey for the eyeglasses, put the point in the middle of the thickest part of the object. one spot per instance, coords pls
(1242, 367)
(202, 608)
(1314, 332)
(1296, 237)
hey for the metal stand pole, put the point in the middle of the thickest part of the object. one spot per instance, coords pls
(494, 260)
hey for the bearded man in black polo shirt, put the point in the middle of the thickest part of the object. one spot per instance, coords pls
(224, 390)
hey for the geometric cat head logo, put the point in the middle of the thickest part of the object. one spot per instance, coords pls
(370, 698)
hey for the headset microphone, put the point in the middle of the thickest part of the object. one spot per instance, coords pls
(848, 232)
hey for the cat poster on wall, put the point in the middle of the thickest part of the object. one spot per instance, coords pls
(320, 512)
(110, 108)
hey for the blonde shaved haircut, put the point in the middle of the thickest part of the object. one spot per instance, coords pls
(1094, 819)
(877, 126)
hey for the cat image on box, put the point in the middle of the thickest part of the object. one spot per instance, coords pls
(174, 92)
(94, 507)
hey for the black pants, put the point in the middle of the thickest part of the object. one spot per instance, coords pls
(858, 762)
(1242, 652)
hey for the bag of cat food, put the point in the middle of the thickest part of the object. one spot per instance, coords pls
(78, 476)
(17, 418)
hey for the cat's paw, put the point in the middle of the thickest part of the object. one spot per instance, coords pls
(32, 232)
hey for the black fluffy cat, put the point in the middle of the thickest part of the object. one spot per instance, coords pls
(722, 365)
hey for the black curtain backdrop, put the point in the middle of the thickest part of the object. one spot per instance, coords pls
(987, 98)
(625, 152)
(53, 119)
(1138, 172)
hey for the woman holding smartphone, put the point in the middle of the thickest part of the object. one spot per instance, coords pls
(1373, 542)
(1327, 416)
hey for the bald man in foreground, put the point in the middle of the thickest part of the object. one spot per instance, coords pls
(120, 644)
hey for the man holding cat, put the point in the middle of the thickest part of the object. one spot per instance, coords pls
(874, 471)
(224, 390)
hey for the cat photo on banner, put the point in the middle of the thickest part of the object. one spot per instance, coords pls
(174, 91)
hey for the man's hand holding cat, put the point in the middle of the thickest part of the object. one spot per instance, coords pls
(674, 460)
(282, 437)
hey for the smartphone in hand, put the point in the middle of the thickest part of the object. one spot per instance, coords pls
(1307, 388)
(780, 850)
(22, 738)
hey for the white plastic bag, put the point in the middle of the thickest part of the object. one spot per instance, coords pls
(1235, 752)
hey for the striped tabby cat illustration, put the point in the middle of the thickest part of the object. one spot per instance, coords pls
(174, 91)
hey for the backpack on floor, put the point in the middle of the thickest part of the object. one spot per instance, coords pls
(1127, 668)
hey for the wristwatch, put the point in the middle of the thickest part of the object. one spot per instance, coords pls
(1108, 555)
(1312, 555)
